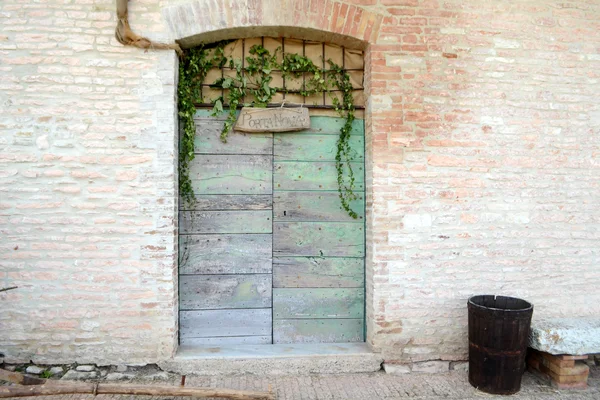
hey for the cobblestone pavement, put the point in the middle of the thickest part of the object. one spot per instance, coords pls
(453, 385)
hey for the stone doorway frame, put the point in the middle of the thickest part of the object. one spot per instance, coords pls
(207, 21)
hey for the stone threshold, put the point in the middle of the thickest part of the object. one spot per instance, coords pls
(274, 359)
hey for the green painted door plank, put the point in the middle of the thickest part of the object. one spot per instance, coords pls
(258, 221)
(331, 126)
(208, 140)
(231, 174)
(305, 147)
(209, 292)
(333, 239)
(225, 254)
(318, 272)
(226, 202)
(296, 175)
(315, 206)
(318, 303)
(208, 342)
(225, 323)
(318, 331)
(207, 113)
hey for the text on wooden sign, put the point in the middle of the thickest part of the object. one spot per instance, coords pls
(272, 119)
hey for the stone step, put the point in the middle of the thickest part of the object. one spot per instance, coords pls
(274, 359)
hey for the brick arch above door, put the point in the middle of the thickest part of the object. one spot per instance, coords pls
(205, 21)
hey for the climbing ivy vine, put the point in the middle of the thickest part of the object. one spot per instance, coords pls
(252, 79)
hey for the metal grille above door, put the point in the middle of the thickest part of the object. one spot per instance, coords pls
(288, 90)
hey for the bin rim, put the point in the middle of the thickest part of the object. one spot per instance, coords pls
(471, 303)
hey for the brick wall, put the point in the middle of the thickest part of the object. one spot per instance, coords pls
(87, 186)
(486, 175)
(483, 135)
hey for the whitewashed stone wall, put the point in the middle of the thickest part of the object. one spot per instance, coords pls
(87, 186)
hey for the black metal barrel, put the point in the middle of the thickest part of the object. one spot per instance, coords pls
(498, 338)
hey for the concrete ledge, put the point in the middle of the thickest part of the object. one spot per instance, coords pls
(575, 336)
(274, 359)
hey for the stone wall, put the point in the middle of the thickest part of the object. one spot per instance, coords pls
(486, 165)
(87, 186)
(483, 132)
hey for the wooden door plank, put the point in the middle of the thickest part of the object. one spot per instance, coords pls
(303, 147)
(220, 323)
(225, 341)
(208, 140)
(323, 239)
(315, 272)
(207, 113)
(202, 292)
(302, 303)
(315, 206)
(220, 202)
(318, 331)
(225, 222)
(331, 126)
(225, 254)
(231, 174)
(313, 175)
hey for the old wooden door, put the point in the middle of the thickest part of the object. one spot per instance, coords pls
(267, 255)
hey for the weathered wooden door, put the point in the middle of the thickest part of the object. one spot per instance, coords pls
(267, 255)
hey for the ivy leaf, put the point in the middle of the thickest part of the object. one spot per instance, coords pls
(266, 87)
(218, 107)
(227, 83)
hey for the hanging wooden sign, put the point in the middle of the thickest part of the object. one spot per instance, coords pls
(272, 119)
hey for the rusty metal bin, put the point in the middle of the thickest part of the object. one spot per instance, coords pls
(498, 338)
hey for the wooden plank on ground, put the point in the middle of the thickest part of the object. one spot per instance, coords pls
(296, 175)
(207, 292)
(318, 330)
(225, 254)
(303, 147)
(208, 140)
(225, 222)
(311, 303)
(220, 202)
(231, 174)
(313, 272)
(323, 239)
(220, 323)
(315, 206)
(225, 341)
